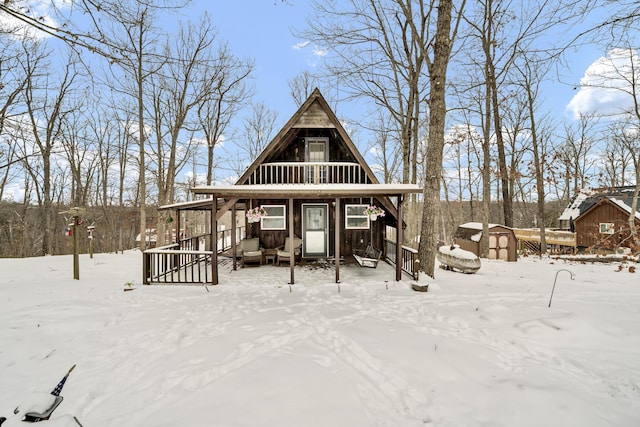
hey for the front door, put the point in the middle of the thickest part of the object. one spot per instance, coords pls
(315, 230)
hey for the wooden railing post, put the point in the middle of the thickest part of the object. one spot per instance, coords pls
(145, 268)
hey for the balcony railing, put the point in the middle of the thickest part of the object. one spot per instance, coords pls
(309, 173)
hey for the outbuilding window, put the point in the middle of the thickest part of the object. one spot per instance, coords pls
(607, 228)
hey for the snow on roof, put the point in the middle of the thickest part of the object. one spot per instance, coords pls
(311, 188)
(573, 210)
(623, 206)
(477, 225)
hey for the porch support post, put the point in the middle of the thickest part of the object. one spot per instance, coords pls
(233, 235)
(214, 241)
(399, 239)
(292, 257)
(337, 239)
(178, 227)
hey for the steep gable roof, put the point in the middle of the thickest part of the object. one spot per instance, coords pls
(315, 112)
(616, 202)
(588, 198)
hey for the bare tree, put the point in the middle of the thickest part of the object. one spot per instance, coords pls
(89, 33)
(227, 93)
(177, 92)
(135, 32)
(257, 130)
(576, 153)
(620, 74)
(627, 135)
(378, 56)
(385, 148)
(47, 106)
(301, 86)
(442, 46)
(505, 31)
(617, 159)
(531, 74)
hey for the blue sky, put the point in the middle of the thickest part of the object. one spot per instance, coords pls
(262, 30)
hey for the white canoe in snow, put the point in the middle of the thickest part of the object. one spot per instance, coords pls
(452, 257)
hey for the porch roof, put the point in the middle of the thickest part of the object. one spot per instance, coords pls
(305, 191)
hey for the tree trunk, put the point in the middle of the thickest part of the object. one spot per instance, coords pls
(507, 202)
(437, 115)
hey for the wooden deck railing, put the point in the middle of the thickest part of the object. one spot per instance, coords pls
(409, 262)
(309, 173)
(186, 261)
(552, 237)
(169, 264)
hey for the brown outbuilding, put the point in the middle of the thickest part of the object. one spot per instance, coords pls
(502, 240)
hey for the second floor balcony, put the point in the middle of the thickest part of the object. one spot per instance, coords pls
(309, 173)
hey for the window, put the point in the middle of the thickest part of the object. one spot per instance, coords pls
(355, 218)
(606, 228)
(276, 218)
(316, 152)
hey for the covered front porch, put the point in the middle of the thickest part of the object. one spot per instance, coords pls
(163, 265)
(171, 266)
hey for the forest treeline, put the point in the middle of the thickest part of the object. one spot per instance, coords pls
(115, 229)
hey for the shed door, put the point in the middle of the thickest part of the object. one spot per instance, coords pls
(499, 246)
(315, 228)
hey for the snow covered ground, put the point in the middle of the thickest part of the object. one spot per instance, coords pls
(476, 350)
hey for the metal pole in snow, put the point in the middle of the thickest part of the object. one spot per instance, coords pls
(573, 276)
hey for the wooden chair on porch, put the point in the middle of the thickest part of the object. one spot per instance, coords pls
(284, 252)
(251, 251)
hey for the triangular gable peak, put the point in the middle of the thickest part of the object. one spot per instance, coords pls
(619, 204)
(302, 138)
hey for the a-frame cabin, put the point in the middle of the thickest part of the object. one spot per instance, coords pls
(314, 185)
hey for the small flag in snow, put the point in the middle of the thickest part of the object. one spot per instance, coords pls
(56, 391)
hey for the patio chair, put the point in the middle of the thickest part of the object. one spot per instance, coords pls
(251, 251)
(284, 252)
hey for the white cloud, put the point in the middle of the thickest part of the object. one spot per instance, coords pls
(316, 52)
(605, 88)
(319, 51)
(301, 45)
(13, 192)
(39, 9)
(375, 151)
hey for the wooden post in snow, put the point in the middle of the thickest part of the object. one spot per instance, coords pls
(337, 238)
(233, 235)
(399, 238)
(292, 256)
(214, 240)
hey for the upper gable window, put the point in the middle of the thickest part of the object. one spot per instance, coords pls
(316, 149)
